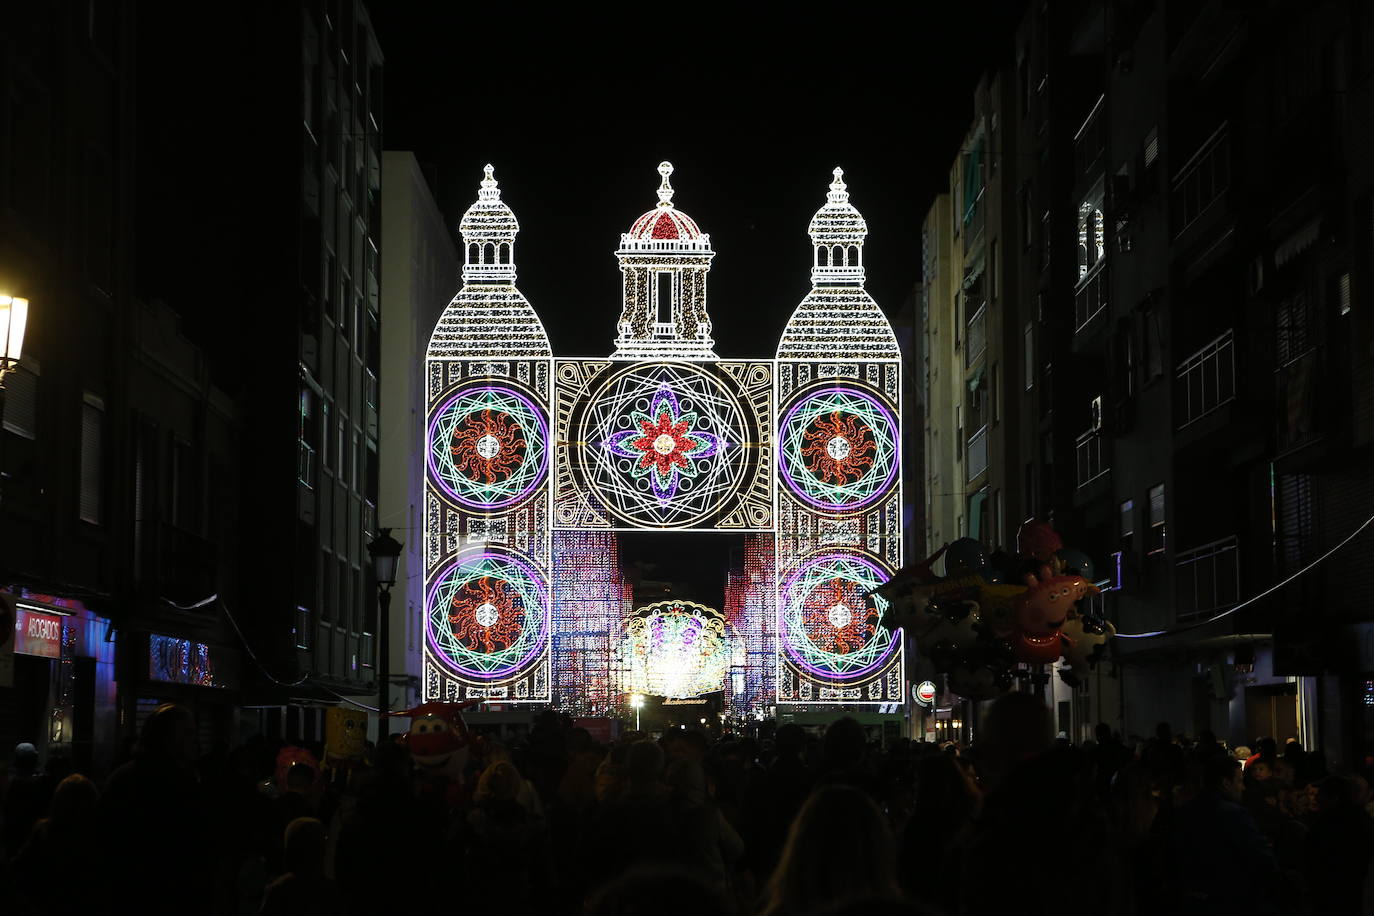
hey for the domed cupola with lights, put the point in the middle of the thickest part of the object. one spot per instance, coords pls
(837, 235)
(664, 259)
(489, 315)
(838, 318)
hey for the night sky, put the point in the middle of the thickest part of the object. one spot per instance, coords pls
(754, 109)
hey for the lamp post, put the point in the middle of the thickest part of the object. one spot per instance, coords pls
(385, 551)
(14, 318)
(637, 701)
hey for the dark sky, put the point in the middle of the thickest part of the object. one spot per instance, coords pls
(576, 110)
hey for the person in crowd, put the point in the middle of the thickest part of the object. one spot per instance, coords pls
(845, 760)
(660, 890)
(66, 836)
(303, 890)
(839, 847)
(507, 844)
(640, 809)
(25, 797)
(1340, 845)
(774, 796)
(945, 803)
(1107, 757)
(705, 840)
(163, 856)
(1219, 860)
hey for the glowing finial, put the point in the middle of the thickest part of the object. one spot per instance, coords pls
(489, 189)
(665, 190)
(838, 194)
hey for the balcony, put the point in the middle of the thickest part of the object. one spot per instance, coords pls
(1207, 579)
(977, 455)
(1089, 143)
(305, 464)
(1088, 456)
(1203, 179)
(1206, 380)
(1091, 296)
(977, 336)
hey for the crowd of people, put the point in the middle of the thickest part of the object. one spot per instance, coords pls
(794, 824)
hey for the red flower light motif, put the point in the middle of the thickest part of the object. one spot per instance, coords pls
(665, 444)
(838, 449)
(488, 447)
(837, 618)
(484, 616)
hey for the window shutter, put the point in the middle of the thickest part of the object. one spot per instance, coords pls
(21, 400)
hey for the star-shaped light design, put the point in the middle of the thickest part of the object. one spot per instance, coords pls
(664, 444)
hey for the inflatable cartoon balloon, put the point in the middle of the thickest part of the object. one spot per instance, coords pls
(1037, 540)
(965, 557)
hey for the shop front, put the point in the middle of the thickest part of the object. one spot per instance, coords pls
(57, 685)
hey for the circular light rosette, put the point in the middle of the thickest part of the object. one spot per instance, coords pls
(488, 447)
(487, 616)
(663, 445)
(839, 448)
(829, 624)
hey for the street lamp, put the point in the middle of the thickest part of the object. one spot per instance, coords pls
(385, 551)
(637, 701)
(14, 317)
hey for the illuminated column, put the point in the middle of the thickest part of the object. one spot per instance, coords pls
(486, 518)
(839, 469)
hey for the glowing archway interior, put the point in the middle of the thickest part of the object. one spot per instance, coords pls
(675, 649)
(535, 464)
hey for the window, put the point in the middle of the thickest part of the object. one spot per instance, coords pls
(327, 582)
(1343, 293)
(663, 296)
(302, 627)
(1157, 535)
(1127, 528)
(1028, 356)
(1092, 236)
(1151, 147)
(92, 458)
(1044, 239)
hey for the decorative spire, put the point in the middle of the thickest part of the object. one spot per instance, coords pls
(665, 190)
(489, 189)
(838, 194)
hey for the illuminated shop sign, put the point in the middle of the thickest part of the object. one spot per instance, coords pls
(36, 633)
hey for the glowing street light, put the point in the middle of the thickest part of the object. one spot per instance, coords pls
(14, 317)
(637, 701)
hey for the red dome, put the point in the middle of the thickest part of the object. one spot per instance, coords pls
(664, 223)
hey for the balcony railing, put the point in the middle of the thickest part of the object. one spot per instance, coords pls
(1205, 380)
(305, 465)
(1091, 297)
(977, 339)
(977, 459)
(1090, 462)
(1207, 579)
(1203, 179)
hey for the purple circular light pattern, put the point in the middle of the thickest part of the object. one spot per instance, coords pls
(851, 567)
(531, 471)
(887, 442)
(523, 579)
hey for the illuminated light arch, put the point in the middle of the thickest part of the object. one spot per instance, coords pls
(488, 446)
(488, 616)
(839, 448)
(827, 625)
(675, 649)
